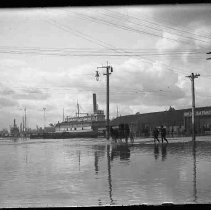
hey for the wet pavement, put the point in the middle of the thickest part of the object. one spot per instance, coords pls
(95, 172)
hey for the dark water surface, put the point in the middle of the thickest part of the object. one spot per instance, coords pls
(90, 172)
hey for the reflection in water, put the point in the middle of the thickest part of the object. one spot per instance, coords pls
(96, 162)
(124, 152)
(79, 159)
(109, 174)
(194, 172)
(164, 151)
(99, 152)
(156, 151)
(36, 173)
(26, 157)
(121, 150)
(164, 155)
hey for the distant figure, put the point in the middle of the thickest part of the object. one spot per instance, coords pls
(127, 132)
(121, 131)
(131, 137)
(147, 132)
(163, 134)
(155, 134)
(114, 134)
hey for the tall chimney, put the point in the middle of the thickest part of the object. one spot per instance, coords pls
(94, 103)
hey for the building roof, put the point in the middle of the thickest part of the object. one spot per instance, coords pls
(171, 117)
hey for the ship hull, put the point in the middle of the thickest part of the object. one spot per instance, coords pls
(64, 135)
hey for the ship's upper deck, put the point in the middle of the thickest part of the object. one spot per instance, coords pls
(98, 116)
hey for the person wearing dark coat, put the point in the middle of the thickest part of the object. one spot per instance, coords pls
(155, 134)
(163, 134)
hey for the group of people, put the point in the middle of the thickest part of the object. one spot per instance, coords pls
(162, 133)
(122, 132)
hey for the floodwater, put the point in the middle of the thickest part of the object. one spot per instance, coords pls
(96, 172)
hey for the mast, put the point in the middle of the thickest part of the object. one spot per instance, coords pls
(23, 125)
(25, 119)
(117, 111)
(63, 114)
(77, 108)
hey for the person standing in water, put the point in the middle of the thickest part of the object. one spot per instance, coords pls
(155, 134)
(163, 134)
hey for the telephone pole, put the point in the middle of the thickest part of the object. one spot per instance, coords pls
(192, 76)
(109, 70)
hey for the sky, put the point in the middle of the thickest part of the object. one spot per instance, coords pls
(49, 58)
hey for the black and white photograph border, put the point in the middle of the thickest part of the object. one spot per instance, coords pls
(105, 103)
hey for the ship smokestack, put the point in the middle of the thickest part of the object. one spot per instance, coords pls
(94, 103)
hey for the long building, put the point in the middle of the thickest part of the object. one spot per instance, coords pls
(176, 121)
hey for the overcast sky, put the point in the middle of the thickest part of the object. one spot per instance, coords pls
(49, 58)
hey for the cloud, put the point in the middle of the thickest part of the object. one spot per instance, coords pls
(204, 41)
(7, 102)
(167, 42)
(6, 91)
(182, 15)
(136, 82)
(32, 94)
(147, 84)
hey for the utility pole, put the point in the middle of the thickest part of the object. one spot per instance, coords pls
(192, 77)
(109, 70)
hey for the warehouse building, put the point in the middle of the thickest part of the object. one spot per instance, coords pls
(176, 122)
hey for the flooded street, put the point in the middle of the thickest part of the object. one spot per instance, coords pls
(92, 172)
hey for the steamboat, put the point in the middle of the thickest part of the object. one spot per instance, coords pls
(83, 125)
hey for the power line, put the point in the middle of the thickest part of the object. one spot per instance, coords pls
(148, 60)
(157, 25)
(99, 54)
(102, 50)
(78, 33)
(102, 44)
(129, 28)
